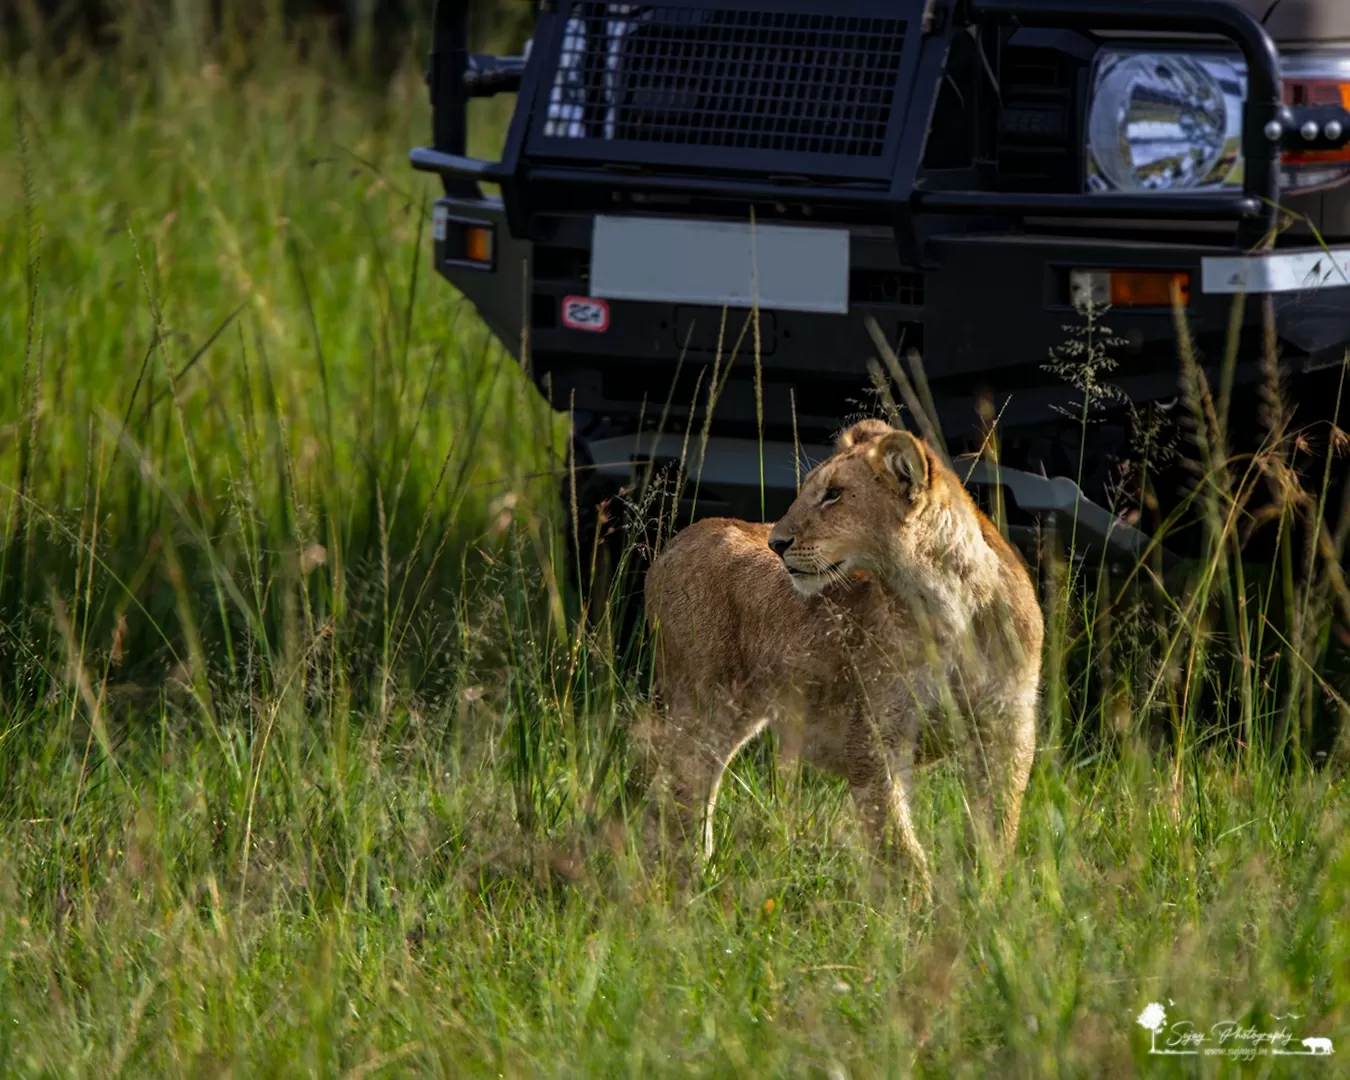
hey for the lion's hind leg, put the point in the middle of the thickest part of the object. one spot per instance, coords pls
(691, 746)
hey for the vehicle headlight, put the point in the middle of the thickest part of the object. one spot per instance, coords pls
(1164, 122)
(1172, 121)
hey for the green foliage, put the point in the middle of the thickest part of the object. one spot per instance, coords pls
(303, 756)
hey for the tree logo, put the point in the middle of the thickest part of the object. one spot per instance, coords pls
(1152, 1019)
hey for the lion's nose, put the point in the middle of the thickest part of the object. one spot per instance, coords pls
(779, 547)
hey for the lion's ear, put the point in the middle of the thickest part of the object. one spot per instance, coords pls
(865, 431)
(905, 459)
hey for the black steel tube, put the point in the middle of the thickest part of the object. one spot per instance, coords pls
(974, 203)
(729, 187)
(1261, 154)
(449, 94)
(488, 75)
(1172, 207)
(456, 166)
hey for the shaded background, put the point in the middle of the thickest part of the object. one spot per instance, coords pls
(374, 36)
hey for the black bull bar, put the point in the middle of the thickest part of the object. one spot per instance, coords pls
(888, 182)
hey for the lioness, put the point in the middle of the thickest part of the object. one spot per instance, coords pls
(883, 605)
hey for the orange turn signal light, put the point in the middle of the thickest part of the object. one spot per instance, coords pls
(1317, 92)
(1130, 288)
(1149, 288)
(466, 242)
(478, 244)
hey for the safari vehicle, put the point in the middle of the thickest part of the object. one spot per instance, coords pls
(969, 174)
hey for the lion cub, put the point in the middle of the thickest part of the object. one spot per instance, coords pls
(883, 614)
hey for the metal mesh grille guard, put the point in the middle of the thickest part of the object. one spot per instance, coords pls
(789, 82)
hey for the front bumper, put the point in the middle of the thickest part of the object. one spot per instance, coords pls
(997, 303)
(985, 312)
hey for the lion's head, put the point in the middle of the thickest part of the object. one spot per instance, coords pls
(860, 509)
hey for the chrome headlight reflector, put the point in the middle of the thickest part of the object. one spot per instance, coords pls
(1171, 121)
(1164, 122)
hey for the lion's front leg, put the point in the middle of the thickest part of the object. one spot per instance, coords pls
(881, 780)
(1019, 756)
(996, 766)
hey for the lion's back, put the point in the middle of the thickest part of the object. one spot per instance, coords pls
(711, 561)
(717, 597)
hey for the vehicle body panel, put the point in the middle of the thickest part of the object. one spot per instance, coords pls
(1305, 21)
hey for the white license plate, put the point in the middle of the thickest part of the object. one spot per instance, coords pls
(672, 260)
(1283, 272)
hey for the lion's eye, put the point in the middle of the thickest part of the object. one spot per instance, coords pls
(831, 495)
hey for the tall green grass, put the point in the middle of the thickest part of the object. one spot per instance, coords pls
(304, 753)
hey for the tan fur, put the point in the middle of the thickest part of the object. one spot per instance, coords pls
(898, 620)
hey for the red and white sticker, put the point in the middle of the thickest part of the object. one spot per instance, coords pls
(585, 313)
